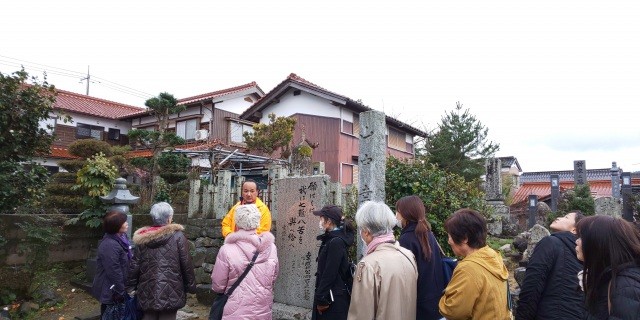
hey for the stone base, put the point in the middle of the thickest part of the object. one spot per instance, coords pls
(287, 312)
(205, 295)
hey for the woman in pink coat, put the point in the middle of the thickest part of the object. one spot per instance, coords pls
(253, 298)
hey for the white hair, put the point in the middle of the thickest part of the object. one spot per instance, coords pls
(376, 217)
(160, 213)
(247, 217)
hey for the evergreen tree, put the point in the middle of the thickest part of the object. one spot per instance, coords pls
(460, 145)
(25, 103)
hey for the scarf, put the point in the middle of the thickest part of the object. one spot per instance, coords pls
(385, 238)
(122, 239)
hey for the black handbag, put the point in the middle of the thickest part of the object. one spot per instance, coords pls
(217, 308)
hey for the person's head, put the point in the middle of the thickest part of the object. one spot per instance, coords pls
(374, 219)
(249, 191)
(161, 214)
(567, 222)
(115, 222)
(247, 217)
(329, 217)
(410, 209)
(605, 242)
(467, 230)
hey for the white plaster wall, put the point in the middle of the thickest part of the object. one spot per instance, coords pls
(124, 126)
(304, 103)
(49, 162)
(236, 105)
(408, 138)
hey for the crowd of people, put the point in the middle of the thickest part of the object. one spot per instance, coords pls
(588, 269)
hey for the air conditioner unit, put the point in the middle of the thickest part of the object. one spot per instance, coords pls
(202, 135)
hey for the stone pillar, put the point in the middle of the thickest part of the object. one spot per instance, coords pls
(296, 241)
(533, 209)
(579, 172)
(627, 208)
(194, 198)
(222, 194)
(615, 180)
(555, 191)
(493, 185)
(372, 159)
(207, 201)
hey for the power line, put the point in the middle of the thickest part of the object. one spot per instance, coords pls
(74, 74)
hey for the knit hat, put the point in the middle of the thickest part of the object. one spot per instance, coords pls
(247, 217)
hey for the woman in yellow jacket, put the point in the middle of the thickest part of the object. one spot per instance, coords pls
(478, 287)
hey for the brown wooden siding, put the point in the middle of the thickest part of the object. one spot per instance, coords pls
(220, 128)
(66, 135)
(399, 154)
(326, 132)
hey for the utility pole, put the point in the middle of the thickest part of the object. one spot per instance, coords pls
(88, 78)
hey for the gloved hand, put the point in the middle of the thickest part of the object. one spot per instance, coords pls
(117, 298)
(322, 309)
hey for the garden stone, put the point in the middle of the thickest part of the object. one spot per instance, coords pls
(207, 242)
(521, 241)
(537, 233)
(207, 267)
(28, 307)
(47, 296)
(202, 276)
(506, 248)
(518, 274)
(205, 295)
(211, 254)
(198, 256)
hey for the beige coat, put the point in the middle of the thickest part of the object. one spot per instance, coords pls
(385, 285)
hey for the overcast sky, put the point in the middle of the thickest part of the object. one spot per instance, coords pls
(554, 81)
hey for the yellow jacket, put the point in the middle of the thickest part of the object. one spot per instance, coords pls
(229, 223)
(478, 288)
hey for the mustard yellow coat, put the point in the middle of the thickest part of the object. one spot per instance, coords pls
(478, 288)
(229, 223)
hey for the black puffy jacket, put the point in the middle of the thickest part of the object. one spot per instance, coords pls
(333, 266)
(550, 289)
(624, 297)
(161, 271)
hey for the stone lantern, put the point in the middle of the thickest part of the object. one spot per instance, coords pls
(121, 198)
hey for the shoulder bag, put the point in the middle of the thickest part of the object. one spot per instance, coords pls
(448, 264)
(217, 309)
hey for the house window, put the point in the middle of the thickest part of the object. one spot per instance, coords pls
(396, 140)
(114, 134)
(187, 129)
(86, 131)
(237, 130)
(351, 127)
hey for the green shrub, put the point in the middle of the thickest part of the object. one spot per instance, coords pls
(87, 148)
(442, 193)
(72, 165)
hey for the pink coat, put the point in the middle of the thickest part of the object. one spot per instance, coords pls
(253, 298)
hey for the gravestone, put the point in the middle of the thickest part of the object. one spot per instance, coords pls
(297, 229)
(493, 185)
(579, 172)
(494, 198)
(608, 206)
(615, 180)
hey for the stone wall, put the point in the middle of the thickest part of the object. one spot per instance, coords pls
(76, 242)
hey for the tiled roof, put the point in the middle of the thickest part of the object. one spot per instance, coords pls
(219, 93)
(599, 188)
(79, 103)
(60, 153)
(207, 96)
(507, 162)
(192, 146)
(352, 104)
(566, 175)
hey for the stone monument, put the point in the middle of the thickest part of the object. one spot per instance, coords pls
(295, 199)
(494, 197)
(372, 161)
